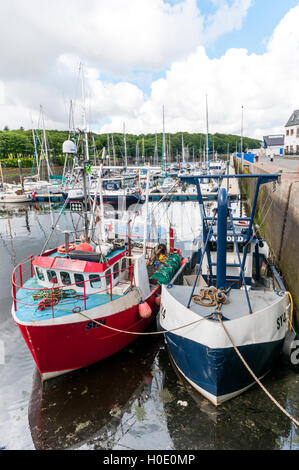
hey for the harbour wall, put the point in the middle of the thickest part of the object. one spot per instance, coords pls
(277, 217)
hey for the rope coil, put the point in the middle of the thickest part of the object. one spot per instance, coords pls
(211, 297)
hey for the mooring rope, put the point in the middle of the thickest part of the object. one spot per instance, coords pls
(149, 333)
(296, 423)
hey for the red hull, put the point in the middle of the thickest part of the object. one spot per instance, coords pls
(70, 346)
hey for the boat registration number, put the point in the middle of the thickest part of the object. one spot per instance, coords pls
(281, 320)
(92, 324)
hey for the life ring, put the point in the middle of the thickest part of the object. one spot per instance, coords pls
(76, 309)
(243, 222)
(61, 249)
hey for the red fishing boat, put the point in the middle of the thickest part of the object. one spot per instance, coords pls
(74, 306)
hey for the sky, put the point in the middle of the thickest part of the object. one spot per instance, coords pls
(140, 55)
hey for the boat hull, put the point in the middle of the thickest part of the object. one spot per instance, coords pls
(218, 374)
(66, 346)
(204, 355)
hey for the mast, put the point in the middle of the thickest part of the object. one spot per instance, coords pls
(143, 156)
(85, 202)
(156, 151)
(137, 152)
(146, 212)
(108, 149)
(45, 143)
(163, 140)
(242, 155)
(113, 150)
(84, 112)
(207, 136)
(125, 147)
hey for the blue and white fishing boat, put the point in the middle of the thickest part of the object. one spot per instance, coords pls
(231, 304)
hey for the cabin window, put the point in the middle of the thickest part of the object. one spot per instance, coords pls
(107, 274)
(52, 276)
(95, 281)
(65, 278)
(230, 247)
(40, 274)
(79, 280)
(115, 270)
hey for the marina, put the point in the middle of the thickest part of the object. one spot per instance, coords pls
(147, 405)
(168, 262)
(149, 221)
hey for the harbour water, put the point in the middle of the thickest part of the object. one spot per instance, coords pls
(135, 399)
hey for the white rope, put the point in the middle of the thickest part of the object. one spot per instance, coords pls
(296, 423)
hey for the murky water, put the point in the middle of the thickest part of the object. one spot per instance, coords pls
(133, 400)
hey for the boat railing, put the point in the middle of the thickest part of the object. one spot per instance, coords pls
(54, 295)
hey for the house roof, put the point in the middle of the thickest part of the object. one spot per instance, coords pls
(272, 140)
(294, 119)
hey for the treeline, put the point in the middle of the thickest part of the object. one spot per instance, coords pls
(15, 144)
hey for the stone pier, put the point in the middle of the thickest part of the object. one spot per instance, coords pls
(277, 216)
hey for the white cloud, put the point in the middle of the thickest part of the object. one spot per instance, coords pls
(266, 85)
(228, 17)
(45, 41)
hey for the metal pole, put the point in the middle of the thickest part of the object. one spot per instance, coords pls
(21, 176)
(242, 156)
(85, 200)
(146, 212)
(207, 136)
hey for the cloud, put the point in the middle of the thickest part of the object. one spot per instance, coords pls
(228, 17)
(120, 41)
(266, 85)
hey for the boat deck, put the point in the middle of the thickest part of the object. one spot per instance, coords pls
(237, 305)
(28, 307)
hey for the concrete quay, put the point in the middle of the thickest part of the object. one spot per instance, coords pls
(277, 216)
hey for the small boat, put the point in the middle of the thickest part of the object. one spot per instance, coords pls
(112, 194)
(15, 197)
(230, 302)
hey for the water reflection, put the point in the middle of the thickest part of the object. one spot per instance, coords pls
(87, 406)
(250, 421)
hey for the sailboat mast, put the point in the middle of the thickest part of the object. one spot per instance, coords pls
(207, 136)
(113, 150)
(125, 147)
(84, 113)
(156, 151)
(163, 140)
(45, 143)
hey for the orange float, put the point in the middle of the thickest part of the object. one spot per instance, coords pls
(62, 250)
(84, 247)
(144, 310)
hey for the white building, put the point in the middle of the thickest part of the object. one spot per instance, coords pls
(273, 145)
(291, 142)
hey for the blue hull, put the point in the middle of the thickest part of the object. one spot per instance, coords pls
(220, 372)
